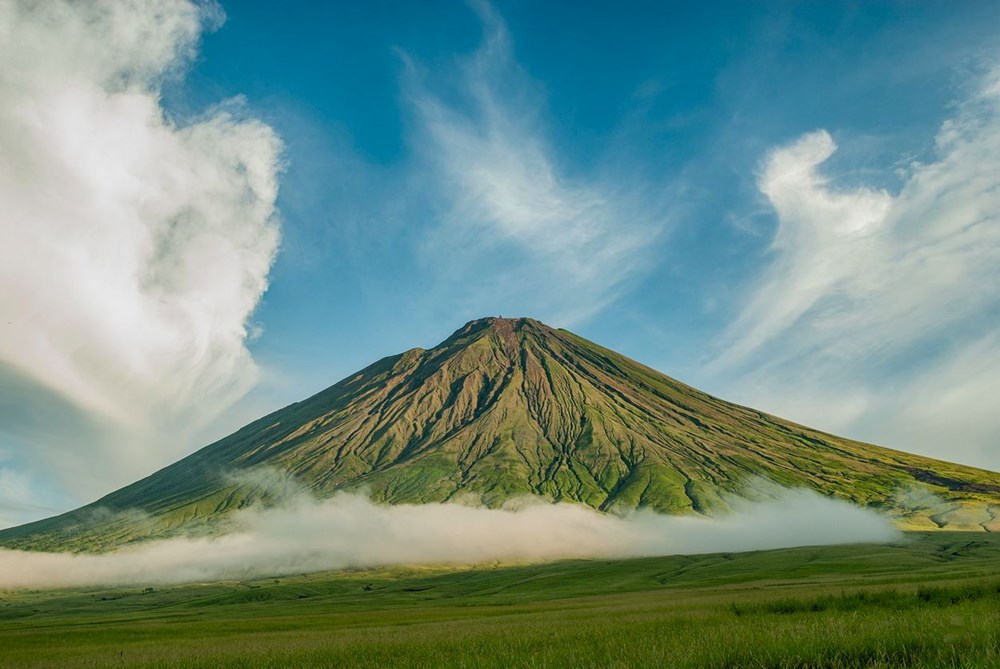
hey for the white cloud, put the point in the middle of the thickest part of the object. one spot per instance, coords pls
(516, 231)
(819, 234)
(946, 409)
(882, 308)
(133, 248)
(350, 531)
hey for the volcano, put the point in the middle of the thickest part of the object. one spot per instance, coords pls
(511, 407)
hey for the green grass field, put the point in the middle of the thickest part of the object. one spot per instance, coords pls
(932, 601)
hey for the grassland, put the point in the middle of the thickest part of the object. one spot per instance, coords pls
(933, 600)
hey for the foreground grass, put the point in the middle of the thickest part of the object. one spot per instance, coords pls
(933, 601)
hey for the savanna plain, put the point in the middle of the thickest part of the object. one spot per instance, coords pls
(928, 600)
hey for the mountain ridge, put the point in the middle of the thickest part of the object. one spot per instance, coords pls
(510, 407)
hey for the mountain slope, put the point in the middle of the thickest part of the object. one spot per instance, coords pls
(509, 407)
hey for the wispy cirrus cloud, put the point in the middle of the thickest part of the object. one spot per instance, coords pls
(881, 307)
(511, 226)
(133, 247)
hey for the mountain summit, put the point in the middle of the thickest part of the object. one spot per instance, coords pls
(511, 407)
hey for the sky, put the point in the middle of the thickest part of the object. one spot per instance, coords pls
(211, 211)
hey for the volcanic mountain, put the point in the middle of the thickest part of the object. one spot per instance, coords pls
(511, 407)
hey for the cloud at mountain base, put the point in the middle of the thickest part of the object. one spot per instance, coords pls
(349, 530)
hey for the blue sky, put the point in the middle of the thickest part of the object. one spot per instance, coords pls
(790, 205)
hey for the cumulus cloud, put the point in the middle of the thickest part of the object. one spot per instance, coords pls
(515, 230)
(350, 531)
(133, 247)
(882, 307)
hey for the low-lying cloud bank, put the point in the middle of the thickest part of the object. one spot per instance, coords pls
(349, 530)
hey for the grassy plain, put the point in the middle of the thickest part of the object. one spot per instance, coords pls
(930, 601)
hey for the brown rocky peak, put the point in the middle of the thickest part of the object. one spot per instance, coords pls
(505, 329)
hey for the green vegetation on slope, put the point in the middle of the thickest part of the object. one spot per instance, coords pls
(928, 602)
(509, 407)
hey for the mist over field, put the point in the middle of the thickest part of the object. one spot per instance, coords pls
(348, 530)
